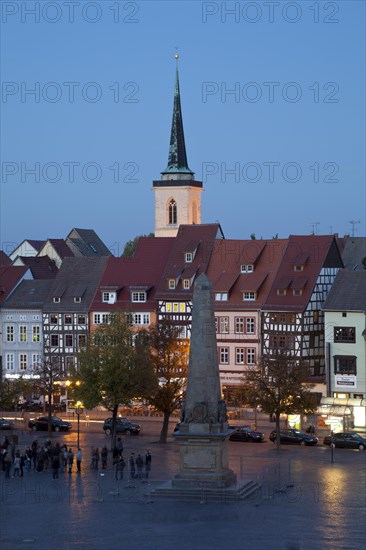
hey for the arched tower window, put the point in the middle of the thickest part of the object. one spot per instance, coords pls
(172, 212)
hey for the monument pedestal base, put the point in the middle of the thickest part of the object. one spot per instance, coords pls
(203, 460)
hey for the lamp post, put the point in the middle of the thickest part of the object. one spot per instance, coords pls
(79, 407)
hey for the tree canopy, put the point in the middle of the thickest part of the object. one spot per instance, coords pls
(114, 368)
(130, 246)
(169, 357)
(278, 384)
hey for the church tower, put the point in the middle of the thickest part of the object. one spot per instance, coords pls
(177, 193)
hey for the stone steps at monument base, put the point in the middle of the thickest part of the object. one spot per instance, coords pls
(228, 494)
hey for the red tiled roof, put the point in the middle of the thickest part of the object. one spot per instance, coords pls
(143, 271)
(229, 255)
(225, 281)
(320, 251)
(206, 235)
(252, 281)
(4, 259)
(10, 277)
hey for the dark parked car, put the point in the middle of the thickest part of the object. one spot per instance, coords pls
(123, 426)
(346, 440)
(6, 424)
(245, 433)
(296, 437)
(57, 423)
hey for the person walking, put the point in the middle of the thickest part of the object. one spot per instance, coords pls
(147, 464)
(104, 457)
(79, 457)
(140, 465)
(132, 466)
(119, 468)
(16, 463)
(55, 465)
(70, 460)
(7, 464)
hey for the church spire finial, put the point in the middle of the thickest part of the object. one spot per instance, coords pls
(177, 160)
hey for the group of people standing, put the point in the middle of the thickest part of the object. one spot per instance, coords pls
(41, 458)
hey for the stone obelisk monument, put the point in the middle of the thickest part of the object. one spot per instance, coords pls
(203, 429)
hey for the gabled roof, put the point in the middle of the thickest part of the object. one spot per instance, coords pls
(206, 235)
(35, 245)
(10, 277)
(42, 267)
(142, 271)
(348, 292)
(85, 242)
(354, 252)
(76, 276)
(318, 251)
(29, 295)
(225, 271)
(4, 259)
(61, 248)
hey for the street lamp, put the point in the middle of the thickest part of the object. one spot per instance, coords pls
(79, 408)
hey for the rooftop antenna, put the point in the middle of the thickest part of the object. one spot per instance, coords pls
(331, 229)
(315, 227)
(353, 223)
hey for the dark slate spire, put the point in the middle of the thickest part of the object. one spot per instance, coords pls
(177, 161)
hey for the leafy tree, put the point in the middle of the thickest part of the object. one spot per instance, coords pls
(112, 369)
(12, 390)
(278, 384)
(48, 372)
(130, 246)
(253, 237)
(169, 357)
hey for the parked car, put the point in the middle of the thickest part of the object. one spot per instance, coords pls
(57, 424)
(123, 425)
(296, 437)
(346, 440)
(6, 424)
(245, 433)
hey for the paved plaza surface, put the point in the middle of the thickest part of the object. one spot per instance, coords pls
(305, 501)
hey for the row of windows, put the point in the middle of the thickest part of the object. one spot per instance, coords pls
(69, 339)
(248, 296)
(243, 356)
(68, 319)
(132, 318)
(23, 361)
(24, 335)
(242, 325)
(186, 284)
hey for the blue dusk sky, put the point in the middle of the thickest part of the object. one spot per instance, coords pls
(273, 108)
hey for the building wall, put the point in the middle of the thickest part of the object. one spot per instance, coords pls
(185, 197)
(353, 384)
(26, 345)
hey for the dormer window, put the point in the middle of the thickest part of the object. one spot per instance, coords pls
(186, 284)
(297, 292)
(281, 292)
(77, 299)
(298, 267)
(221, 296)
(171, 284)
(188, 257)
(105, 297)
(246, 268)
(249, 296)
(56, 299)
(138, 296)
